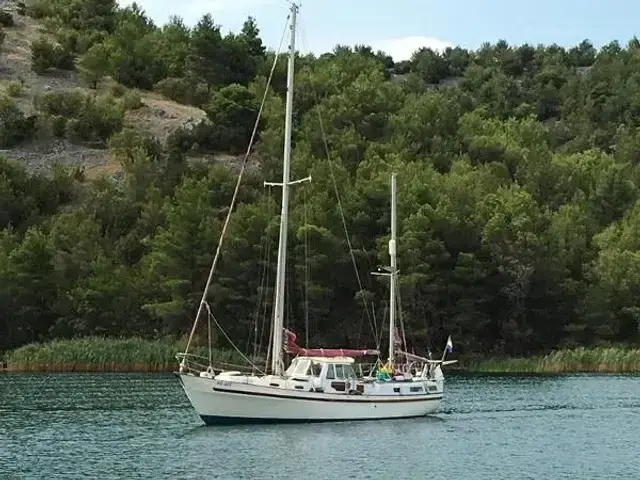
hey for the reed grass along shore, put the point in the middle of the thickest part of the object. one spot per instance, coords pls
(97, 354)
(574, 360)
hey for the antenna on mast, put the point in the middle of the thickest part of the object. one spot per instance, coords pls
(391, 272)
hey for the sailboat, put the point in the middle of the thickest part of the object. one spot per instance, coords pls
(319, 384)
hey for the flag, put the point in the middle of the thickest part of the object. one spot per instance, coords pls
(449, 345)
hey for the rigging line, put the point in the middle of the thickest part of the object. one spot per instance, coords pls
(372, 285)
(384, 315)
(344, 224)
(266, 364)
(210, 345)
(400, 316)
(426, 326)
(261, 295)
(245, 161)
(288, 294)
(271, 330)
(258, 338)
(335, 186)
(264, 279)
(228, 339)
(375, 320)
(267, 282)
(373, 310)
(353, 124)
(306, 268)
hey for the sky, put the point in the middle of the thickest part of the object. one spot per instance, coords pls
(400, 27)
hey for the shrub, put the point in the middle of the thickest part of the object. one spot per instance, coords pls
(180, 140)
(124, 144)
(2, 36)
(132, 100)
(13, 88)
(46, 55)
(118, 90)
(79, 42)
(59, 126)
(6, 19)
(201, 137)
(14, 126)
(41, 9)
(183, 91)
(66, 103)
(21, 8)
(42, 55)
(101, 118)
(176, 89)
(201, 95)
(67, 37)
(81, 116)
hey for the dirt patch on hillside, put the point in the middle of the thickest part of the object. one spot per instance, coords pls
(158, 116)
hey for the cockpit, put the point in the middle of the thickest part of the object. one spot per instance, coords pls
(340, 372)
(304, 367)
(327, 368)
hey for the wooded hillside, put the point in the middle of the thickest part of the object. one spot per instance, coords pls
(518, 186)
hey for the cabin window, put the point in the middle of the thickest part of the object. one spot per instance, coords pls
(349, 372)
(330, 372)
(302, 367)
(316, 369)
(292, 368)
(339, 371)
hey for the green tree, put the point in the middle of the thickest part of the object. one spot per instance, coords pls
(233, 111)
(173, 47)
(207, 53)
(94, 64)
(45, 55)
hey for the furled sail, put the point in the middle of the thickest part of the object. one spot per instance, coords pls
(291, 347)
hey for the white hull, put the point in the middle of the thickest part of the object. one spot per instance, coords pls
(222, 401)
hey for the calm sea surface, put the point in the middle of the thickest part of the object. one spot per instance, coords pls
(130, 426)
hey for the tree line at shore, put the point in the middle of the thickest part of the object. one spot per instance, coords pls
(518, 191)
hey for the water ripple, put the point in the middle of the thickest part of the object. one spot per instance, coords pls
(133, 426)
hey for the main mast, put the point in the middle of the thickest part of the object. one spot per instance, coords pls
(392, 254)
(278, 318)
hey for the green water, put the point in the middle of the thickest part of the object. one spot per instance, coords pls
(130, 426)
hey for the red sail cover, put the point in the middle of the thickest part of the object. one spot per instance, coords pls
(291, 347)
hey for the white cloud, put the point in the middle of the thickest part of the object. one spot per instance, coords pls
(402, 48)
